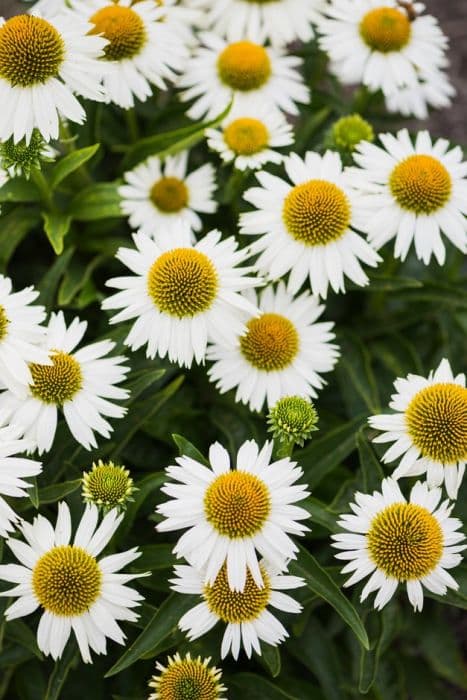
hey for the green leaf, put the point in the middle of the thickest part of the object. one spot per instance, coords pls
(33, 492)
(71, 162)
(384, 624)
(50, 494)
(154, 557)
(163, 624)
(320, 514)
(315, 650)
(312, 124)
(171, 142)
(56, 226)
(355, 375)
(19, 632)
(372, 472)
(49, 283)
(188, 449)
(438, 294)
(397, 354)
(254, 687)
(271, 659)
(441, 649)
(325, 453)
(320, 582)
(141, 381)
(145, 487)
(15, 226)
(19, 189)
(98, 201)
(55, 492)
(141, 414)
(380, 283)
(61, 669)
(75, 278)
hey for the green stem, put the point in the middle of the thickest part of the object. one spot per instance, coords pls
(361, 100)
(43, 186)
(283, 448)
(80, 176)
(132, 124)
(66, 137)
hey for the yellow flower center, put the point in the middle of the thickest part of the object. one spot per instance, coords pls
(405, 541)
(187, 679)
(66, 581)
(270, 343)
(437, 422)
(31, 51)
(169, 194)
(316, 212)
(59, 382)
(4, 321)
(385, 29)
(244, 66)
(124, 29)
(237, 504)
(183, 282)
(246, 136)
(233, 606)
(420, 184)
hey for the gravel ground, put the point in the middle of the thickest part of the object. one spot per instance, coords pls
(452, 15)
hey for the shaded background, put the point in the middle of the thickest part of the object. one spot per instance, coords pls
(452, 15)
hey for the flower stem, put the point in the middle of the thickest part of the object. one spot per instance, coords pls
(132, 124)
(283, 448)
(44, 189)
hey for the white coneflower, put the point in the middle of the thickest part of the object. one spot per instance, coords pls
(163, 195)
(245, 614)
(307, 226)
(186, 677)
(234, 513)
(245, 69)
(433, 89)
(79, 383)
(181, 294)
(279, 21)
(283, 351)
(13, 471)
(412, 192)
(429, 428)
(49, 8)
(21, 335)
(250, 135)
(75, 591)
(398, 542)
(42, 63)
(376, 43)
(142, 50)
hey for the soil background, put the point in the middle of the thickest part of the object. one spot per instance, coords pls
(452, 15)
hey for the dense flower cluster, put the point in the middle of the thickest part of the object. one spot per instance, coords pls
(239, 264)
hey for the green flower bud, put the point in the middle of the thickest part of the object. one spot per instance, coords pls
(18, 159)
(347, 132)
(292, 420)
(108, 486)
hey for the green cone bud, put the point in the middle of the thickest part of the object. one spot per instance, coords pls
(347, 132)
(108, 486)
(293, 420)
(18, 159)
